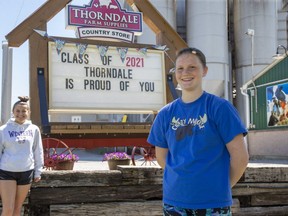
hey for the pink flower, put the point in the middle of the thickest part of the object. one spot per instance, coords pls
(116, 156)
(65, 157)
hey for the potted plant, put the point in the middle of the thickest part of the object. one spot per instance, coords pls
(116, 158)
(64, 161)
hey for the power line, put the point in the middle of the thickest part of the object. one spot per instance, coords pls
(19, 13)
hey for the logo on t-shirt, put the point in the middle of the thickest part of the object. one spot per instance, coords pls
(185, 127)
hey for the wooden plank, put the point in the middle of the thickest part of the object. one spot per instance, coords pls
(78, 178)
(270, 199)
(59, 127)
(115, 127)
(85, 126)
(242, 189)
(261, 211)
(38, 55)
(42, 15)
(141, 175)
(266, 174)
(96, 127)
(132, 175)
(146, 208)
(139, 126)
(75, 126)
(129, 126)
(93, 131)
(84, 194)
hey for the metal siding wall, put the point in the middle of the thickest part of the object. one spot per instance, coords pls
(277, 73)
(260, 119)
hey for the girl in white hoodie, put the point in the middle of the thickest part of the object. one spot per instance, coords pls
(21, 158)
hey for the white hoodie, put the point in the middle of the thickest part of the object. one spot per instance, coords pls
(21, 147)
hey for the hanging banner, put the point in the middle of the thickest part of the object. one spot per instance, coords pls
(95, 81)
(276, 96)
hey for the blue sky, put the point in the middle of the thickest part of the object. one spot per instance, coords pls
(12, 14)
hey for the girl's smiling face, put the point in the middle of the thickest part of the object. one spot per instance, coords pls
(189, 72)
(21, 113)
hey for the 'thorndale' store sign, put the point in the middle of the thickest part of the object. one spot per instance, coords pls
(104, 18)
(89, 78)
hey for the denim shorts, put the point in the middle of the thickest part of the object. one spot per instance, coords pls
(21, 178)
(169, 210)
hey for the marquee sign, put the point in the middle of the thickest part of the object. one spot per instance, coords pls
(134, 81)
(106, 19)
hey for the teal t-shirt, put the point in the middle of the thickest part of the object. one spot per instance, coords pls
(196, 175)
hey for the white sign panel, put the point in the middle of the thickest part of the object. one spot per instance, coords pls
(135, 82)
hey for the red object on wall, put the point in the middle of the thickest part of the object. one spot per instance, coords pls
(90, 143)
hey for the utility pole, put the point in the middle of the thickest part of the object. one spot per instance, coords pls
(6, 82)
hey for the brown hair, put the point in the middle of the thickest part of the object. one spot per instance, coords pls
(195, 51)
(22, 101)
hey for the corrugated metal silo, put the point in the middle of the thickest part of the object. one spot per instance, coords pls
(253, 51)
(207, 30)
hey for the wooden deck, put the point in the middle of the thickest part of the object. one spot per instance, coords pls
(100, 128)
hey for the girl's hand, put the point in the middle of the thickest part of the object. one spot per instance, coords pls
(37, 179)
